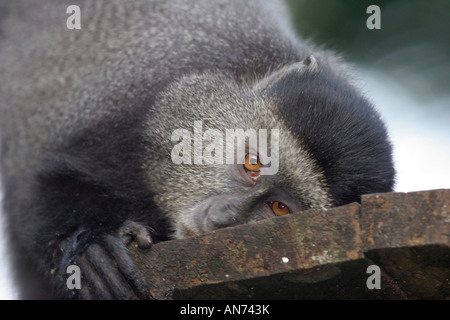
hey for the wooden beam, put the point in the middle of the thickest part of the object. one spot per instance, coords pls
(315, 254)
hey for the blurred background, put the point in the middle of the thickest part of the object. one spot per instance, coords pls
(404, 68)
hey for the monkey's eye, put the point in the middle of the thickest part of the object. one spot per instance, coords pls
(252, 165)
(252, 162)
(279, 208)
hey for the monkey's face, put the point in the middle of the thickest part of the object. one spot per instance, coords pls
(252, 196)
(230, 160)
(222, 195)
(232, 154)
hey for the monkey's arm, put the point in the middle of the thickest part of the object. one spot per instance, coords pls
(85, 224)
(83, 205)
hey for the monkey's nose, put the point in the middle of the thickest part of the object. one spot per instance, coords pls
(220, 215)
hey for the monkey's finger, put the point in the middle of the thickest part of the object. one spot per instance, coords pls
(127, 266)
(92, 285)
(133, 231)
(104, 265)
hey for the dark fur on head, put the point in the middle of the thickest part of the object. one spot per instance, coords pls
(341, 129)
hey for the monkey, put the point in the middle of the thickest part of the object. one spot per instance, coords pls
(87, 132)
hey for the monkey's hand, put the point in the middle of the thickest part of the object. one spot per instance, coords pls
(107, 269)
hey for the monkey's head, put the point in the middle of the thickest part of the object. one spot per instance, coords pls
(228, 153)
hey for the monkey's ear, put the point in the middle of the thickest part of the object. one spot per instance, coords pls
(310, 63)
(293, 71)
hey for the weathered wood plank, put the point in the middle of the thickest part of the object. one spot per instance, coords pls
(315, 254)
(408, 234)
(405, 219)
